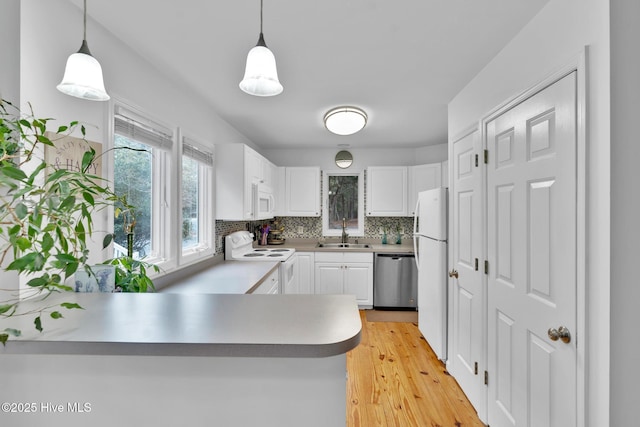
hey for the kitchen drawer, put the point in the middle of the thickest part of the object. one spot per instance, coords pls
(344, 257)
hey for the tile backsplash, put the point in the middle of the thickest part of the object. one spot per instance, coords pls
(312, 227)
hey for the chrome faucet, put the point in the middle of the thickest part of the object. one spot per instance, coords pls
(345, 236)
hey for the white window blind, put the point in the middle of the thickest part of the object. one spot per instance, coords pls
(133, 126)
(195, 152)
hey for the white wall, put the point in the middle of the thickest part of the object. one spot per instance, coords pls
(362, 157)
(625, 211)
(10, 45)
(551, 40)
(431, 154)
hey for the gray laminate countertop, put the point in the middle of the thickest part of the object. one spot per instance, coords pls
(311, 245)
(170, 324)
(227, 277)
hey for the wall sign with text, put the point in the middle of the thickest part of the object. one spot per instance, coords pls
(68, 151)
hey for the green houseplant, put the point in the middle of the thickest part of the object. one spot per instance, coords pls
(46, 216)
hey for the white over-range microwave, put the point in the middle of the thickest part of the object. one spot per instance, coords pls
(263, 201)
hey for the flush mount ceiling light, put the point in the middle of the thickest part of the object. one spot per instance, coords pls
(261, 74)
(83, 73)
(345, 120)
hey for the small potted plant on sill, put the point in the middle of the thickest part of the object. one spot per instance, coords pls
(130, 273)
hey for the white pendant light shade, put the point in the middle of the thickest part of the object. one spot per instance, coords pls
(83, 73)
(261, 74)
(83, 77)
(345, 120)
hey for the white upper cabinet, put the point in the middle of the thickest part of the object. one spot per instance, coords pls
(421, 178)
(302, 191)
(253, 166)
(386, 191)
(269, 173)
(238, 169)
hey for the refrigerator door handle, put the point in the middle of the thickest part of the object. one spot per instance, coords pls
(415, 235)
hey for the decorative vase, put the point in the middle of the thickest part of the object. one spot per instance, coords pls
(384, 238)
(103, 279)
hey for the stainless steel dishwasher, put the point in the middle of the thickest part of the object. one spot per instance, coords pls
(395, 281)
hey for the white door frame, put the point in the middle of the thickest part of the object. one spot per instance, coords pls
(579, 65)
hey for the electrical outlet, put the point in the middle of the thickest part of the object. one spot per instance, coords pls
(220, 241)
(300, 229)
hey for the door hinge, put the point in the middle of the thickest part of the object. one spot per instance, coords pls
(476, 270)
(486, 267)
(476, 160)
(475, 369)
(486, 157)
(486, 378)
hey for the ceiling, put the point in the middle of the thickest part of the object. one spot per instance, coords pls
(401, 61)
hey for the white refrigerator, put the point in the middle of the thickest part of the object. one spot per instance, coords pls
(430, 247)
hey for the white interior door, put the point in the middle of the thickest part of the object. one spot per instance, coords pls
(532, 251)
(467, 355)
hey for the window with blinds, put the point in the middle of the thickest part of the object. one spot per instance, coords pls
(196, 198)
(135, 127)
(141, 147)
(169, 179)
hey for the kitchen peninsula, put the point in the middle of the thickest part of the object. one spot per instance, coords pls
(183, 359)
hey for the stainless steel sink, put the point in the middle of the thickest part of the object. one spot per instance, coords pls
(344, 245)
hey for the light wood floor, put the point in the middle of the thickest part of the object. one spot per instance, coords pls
(395, 379)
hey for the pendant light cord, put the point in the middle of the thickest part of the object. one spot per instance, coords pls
(84, 34)
(261, 37)
(84, 48)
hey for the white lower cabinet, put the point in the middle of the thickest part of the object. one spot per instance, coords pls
(345, 273)
(270, 285)
(306, 261)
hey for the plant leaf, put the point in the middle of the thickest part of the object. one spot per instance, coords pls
(87, 159)
(89, 198)
(71, 268)
(23, 243)
(68, 203)
(56, 315)
(56, 175)
(38, 323)
(21, 210)
(71, 305)
(47, 242)
(13, 172)
(5, 308)
(33, 261)
(107, 240)
(36, 172)
(38, 282)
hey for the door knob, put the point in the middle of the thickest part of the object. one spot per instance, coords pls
(561, 333)
(453, 273)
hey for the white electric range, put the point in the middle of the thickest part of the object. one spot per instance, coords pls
(239, 247)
